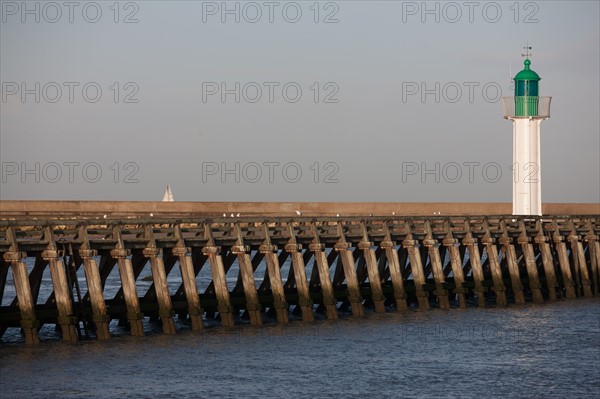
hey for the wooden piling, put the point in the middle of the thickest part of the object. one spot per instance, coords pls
(475, 260)
(26, 303)
(64, 305)
(547, 261)
(594, 252)
(416, 268)
(100, 317)
(134, 313)
(456, 263)
(492, 254)
(534, 281)
(349, 267)
(94, 284)
(373, 270)
(436, 268)
(304, 300)
(324, 277)
(510, 254)
(530, 263)
(188, 277)
(247, 274)
(579, 263)
(274, 274)
(565, 268)
(159, 276)
(218, 275)
(395, 271)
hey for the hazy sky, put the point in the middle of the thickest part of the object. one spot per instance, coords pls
(292, 101)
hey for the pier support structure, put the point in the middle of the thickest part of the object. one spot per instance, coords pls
(353, 263)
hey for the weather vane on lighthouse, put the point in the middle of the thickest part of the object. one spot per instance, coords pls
(527, 53)
(526, 110)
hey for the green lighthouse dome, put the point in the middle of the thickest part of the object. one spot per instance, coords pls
(526, 73)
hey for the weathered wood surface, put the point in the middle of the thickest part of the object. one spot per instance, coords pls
(378, 264)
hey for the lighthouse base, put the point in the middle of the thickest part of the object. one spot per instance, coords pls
(527, 192)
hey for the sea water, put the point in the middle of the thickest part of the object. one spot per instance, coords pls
(537, 351)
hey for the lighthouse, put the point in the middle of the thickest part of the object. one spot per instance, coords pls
(526, 110)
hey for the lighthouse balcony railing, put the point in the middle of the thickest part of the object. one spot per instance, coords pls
(526, 107)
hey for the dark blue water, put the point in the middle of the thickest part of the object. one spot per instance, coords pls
(538, 351)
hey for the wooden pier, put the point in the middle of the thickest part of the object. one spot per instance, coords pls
(343, 258)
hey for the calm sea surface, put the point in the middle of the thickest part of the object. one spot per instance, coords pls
(538, 351)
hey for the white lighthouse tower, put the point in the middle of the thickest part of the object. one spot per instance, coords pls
(527, 110)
